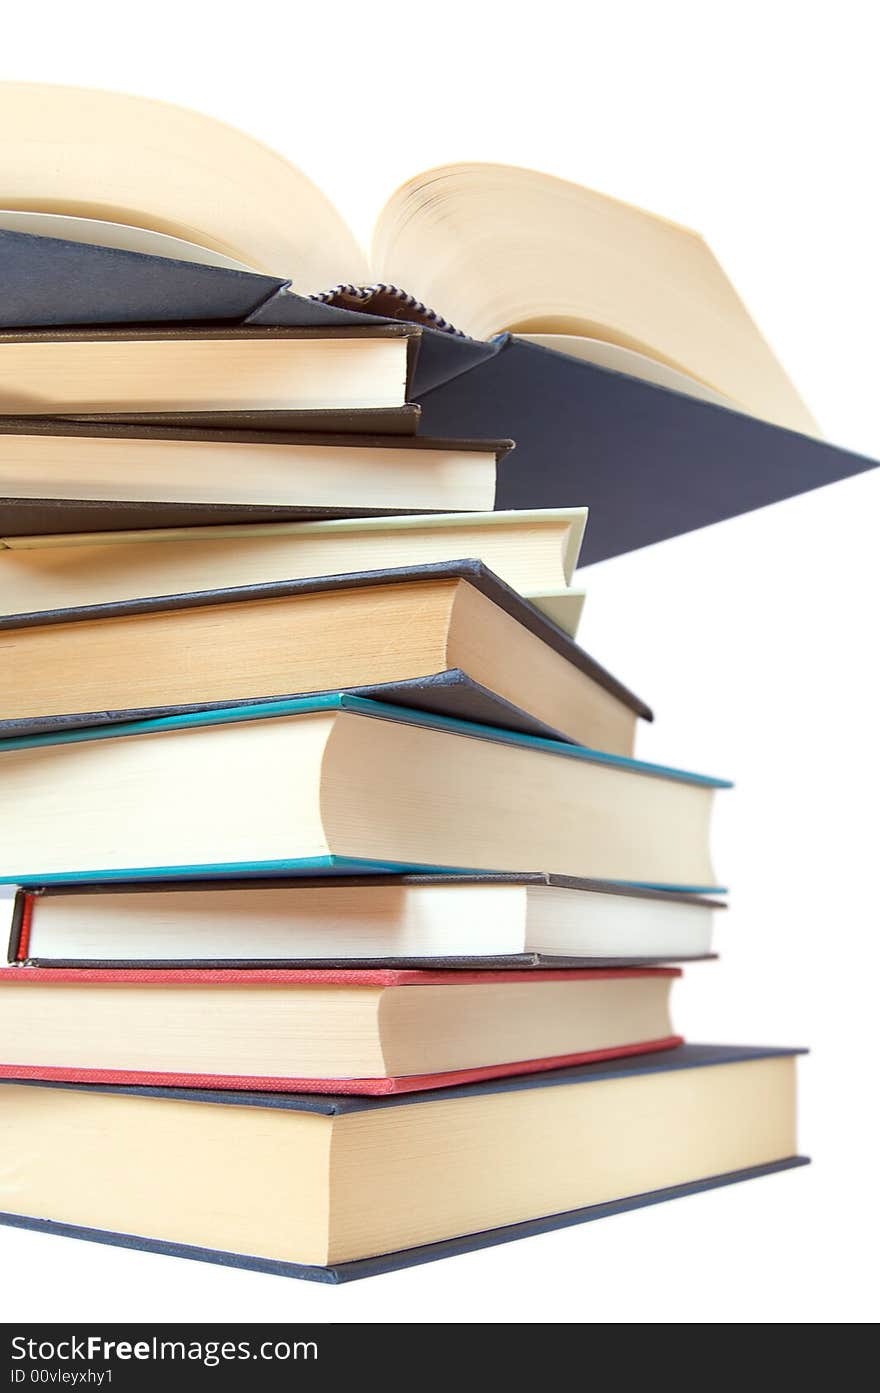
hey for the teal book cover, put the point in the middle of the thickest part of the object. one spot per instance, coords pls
(59, 775)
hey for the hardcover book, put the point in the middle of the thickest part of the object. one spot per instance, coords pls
(488, 920)
(67, 476)
(337, 784)
(261, 368)
(532, 552)
(451, 638)
(319, 1031)
(414, 1177)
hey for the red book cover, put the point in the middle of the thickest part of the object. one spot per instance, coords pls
(308, 976)
(22, 976)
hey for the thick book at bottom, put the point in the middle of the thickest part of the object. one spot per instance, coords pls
(245, 1179)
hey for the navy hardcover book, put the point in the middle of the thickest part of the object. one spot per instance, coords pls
(686, 1057)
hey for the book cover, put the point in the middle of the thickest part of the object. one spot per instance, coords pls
(22, 978)
(27, 901)
(450, 693)
(651, 462)
(381, 430)
(329, 864)
(694, 1056)
(51, 282)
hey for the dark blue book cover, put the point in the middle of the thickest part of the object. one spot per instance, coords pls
(49, 282)
(684, 1058)
(650, 462)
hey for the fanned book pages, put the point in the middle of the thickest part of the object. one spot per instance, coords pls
(533, 552)
(65, 476)
(326, 1032)
(339, 784)
(448, 638)
(489, 920)
(414, 1177)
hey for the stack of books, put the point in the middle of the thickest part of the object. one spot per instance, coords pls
(347, 918)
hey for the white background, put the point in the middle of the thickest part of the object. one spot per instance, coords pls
(755, 640)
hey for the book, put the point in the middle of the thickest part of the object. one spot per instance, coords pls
(412, 635)
(99, 476)
(328, 1032)
(488, 920)
(335, 784)
(58, 372)
(532, 552)
(490, 247)
(414, 1176)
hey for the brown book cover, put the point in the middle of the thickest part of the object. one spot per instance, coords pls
(25, 517)
(127, 333)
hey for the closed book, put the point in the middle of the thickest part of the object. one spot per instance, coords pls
(335, 1188)
(318, 1031)
(68, 476)
(533, 552)
(500, 920)
(449, 638)
(338, 784)
(262, 368)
